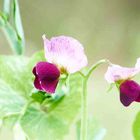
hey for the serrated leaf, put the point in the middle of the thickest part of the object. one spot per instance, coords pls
(136, 127)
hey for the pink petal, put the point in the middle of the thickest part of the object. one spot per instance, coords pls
(65, 52)
(117, 73)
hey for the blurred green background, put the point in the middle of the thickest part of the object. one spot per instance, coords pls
(108, 29)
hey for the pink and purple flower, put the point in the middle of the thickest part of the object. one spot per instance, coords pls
(129, 89)
(64, 55)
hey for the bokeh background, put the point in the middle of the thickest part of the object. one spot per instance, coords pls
(108, 29)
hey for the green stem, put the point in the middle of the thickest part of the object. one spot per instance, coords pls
(84, 114)
(93, 67)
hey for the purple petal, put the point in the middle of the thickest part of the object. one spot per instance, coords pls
(47, 71)
(34, 70)
(138, 99)
(36, 81)
(37, 84)
(49, 86)
(117, 73)
(46, 76)
(129, 92)
(66, 52)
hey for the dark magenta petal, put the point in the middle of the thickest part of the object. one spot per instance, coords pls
(138, 99)
(49, 86)
(37, 84)
(36, 81)
(46, 76)
(34, 71)
(129, 92)
(47, 71)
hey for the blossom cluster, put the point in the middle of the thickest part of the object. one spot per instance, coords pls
(65, 55)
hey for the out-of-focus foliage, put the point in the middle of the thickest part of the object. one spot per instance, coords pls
(51, 119)
(136, 127)
(10, 23)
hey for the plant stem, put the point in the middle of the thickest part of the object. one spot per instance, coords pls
(93, 67)
(84, 115)
(84, 112)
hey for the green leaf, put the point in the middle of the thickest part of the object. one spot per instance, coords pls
(12, 37)
(14, 72)
(95, 130)
(10, 102)
(136, 127)
(14, 34)
(38, 121)
(54, 125)
(17, 72)
(16, 79)
(40, 96)
(3, 19)
(2, 22)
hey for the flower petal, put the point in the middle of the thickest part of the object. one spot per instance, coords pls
(47, 70)
(65, 52)
(36, 81)
(47, 76)
(49, 86)
(37, 84)
(117, 73)
(129, 92)
(138, 99)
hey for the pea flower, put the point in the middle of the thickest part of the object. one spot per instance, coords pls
(128, 88)
(64, 55)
